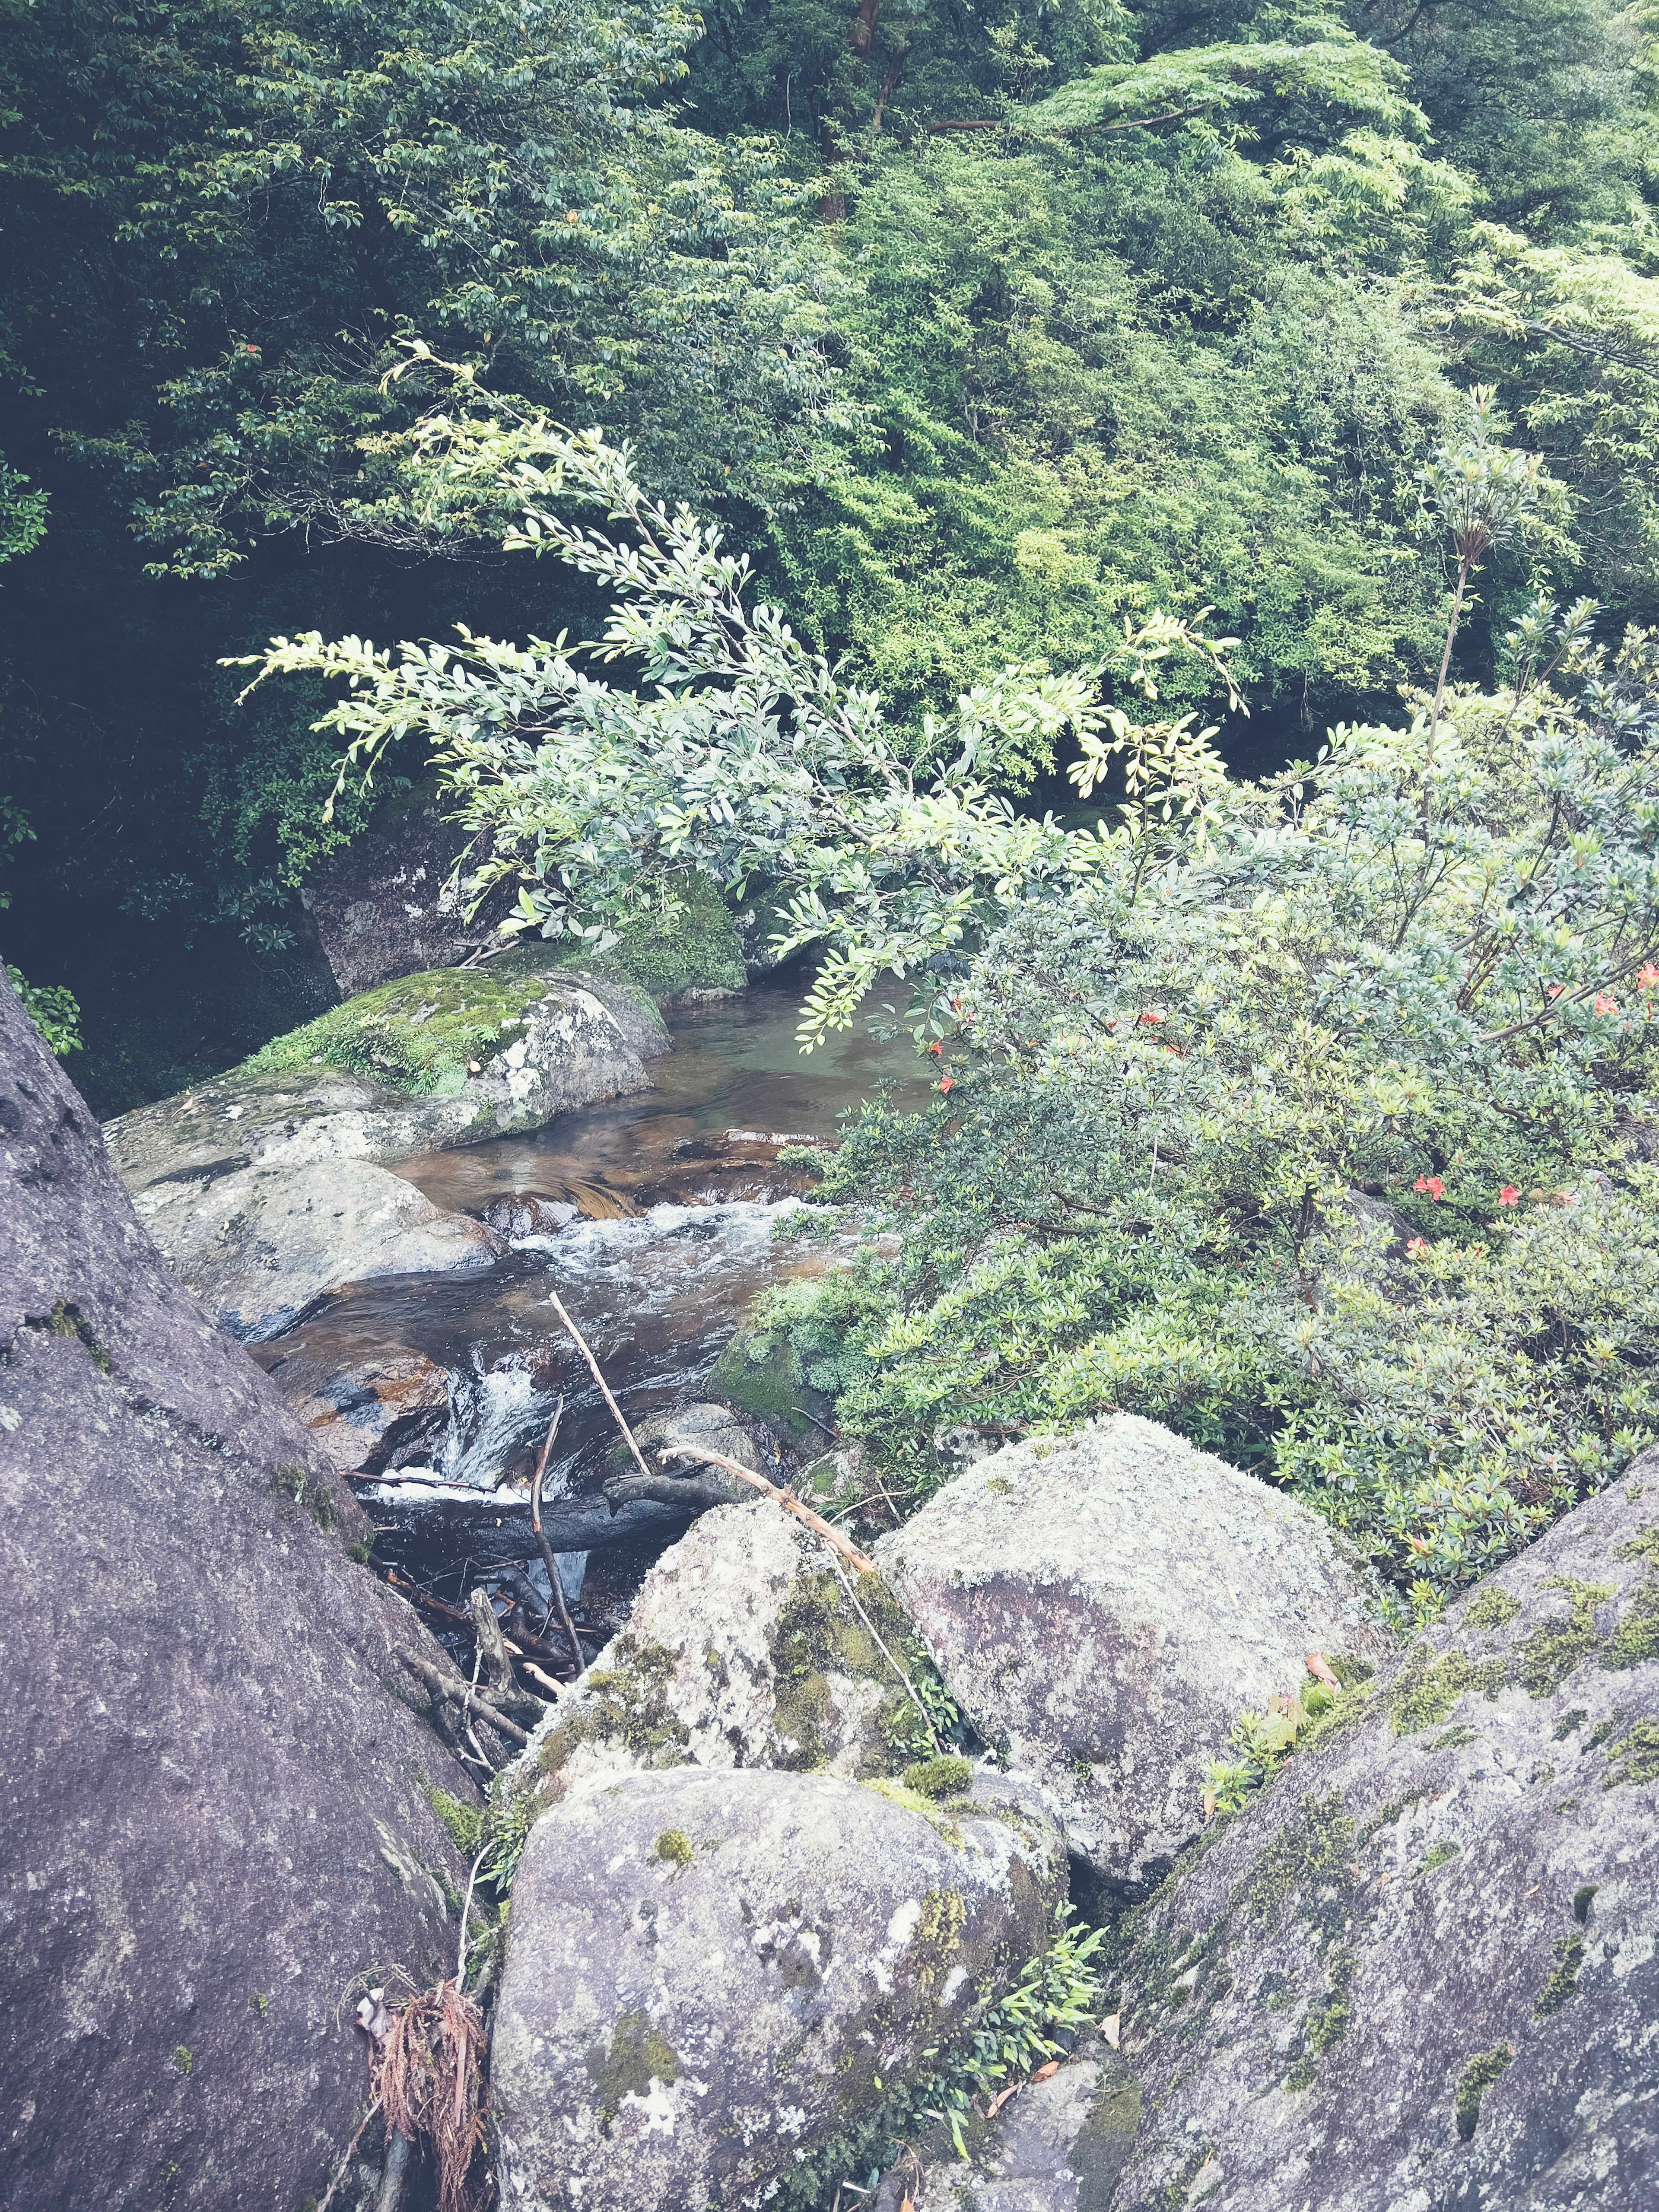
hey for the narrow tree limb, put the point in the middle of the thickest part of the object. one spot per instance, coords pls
(554, 1580)
(787, 1498)
(492, 1644)
(456, 1693)
(350, 2153)
(582, 1346)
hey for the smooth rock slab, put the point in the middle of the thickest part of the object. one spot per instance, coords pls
(1419, 1975)
(387, 1406)
(710, 1973)
(212, 1783)
(1104, 1604)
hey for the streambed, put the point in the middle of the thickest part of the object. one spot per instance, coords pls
(676, 1192)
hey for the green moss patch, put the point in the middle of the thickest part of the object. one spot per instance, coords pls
(688, 942)
(419, 1035)
(626, 1705)
(1424, 1692)
(1473, 2084)
(639, 2054)
(1563, 1977)
(1554, 1648)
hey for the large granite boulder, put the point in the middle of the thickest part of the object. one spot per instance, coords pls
(1103, 1606)
(214, 1793)
(270, 1187)
(746, 1647)
(1420, 1971)
(714, 1978)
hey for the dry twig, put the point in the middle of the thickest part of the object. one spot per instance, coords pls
(554, 1580)
(582, 1346)
(787, 1498)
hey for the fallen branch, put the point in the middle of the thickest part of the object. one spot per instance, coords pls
(555, 1580)
(787, 1498)
(594, 1367)
(457, 1693)
(350, 2153)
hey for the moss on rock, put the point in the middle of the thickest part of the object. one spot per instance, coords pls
(420, 1034)
(689, 943)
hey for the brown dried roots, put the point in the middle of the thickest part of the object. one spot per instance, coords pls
(428, 2076)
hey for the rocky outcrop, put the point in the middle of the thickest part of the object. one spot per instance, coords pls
(387, 1409)
(746, 1647)
(1104, 1604)
(213, 1788)
(270, 1187)
(386, 906)
(1057, 2147)
(1421, 1970)
(713, 1976)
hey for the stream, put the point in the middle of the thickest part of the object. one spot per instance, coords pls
(676, 1191)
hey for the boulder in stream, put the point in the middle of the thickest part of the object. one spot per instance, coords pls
(389, 1406)
(215, 1792)
(714, 1978)
(749, 1645)
(1420, 1971)
(1104, 1604)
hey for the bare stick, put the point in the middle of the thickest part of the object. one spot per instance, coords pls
(458, 1693)
(926, 1721)
(593, 1367)
(554, 1580)
(351, 2148)
(466, 1913)
(787, 1498)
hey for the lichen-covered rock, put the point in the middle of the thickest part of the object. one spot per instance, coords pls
(260, 1245)
(1104, 1604)
(386, 906)
(505, 1047)
(1420, 1971)
(213, 1788)
(713, 1975)
(384, 1410)
(1058, 2146)
(743, 1648)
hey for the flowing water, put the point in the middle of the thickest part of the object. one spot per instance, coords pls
(677, 1193)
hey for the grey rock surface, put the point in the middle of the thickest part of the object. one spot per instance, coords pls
(1420, 1971)
(385, 907)
(214, 1814)
(384, 1410)
(1104, 1604)
(259, 1246)
(743, 1650)
(711, 1973)
(268, 1190)
(1057, 2146)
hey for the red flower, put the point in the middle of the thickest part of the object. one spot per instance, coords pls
(1605, 1004)
(249, 349)
(1418, 1245)
(948, 1083)
(1647, 979)
(1509, 1195)
(1553, 990)
(1432, 1184)
(1151, 1017)
(939, 1048)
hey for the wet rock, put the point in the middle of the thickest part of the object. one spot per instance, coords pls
(761, 1377)
(385, 907)
(694, 1484)
(214, 1790)
(1104, 1604)
(1421, 1971)
(383, 1411)
(1058, 2146)
(743, 1648)
(527, 1213)
(260, 1246)
(713, 1975)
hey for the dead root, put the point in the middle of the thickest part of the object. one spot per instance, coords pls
(427, 2076)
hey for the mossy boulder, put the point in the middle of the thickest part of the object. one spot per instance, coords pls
(1420, 1969)
(761, 1376)
(715, 1975)
(746, 1647)
(1104, 1604)
(686, 947)
(453, 1031)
